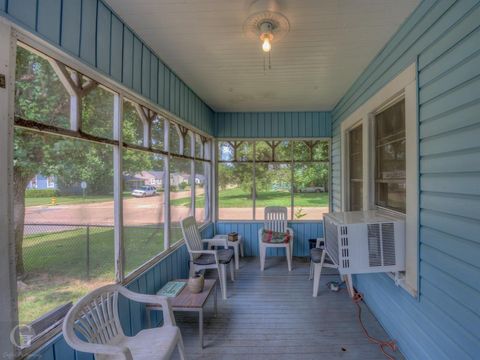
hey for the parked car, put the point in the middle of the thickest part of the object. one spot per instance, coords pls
(312, 189)
(145, 191)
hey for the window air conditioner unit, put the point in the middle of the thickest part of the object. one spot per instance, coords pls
(365, 241)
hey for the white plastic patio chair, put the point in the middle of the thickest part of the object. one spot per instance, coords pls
(201, 259)
(276, 218)
(93, 326)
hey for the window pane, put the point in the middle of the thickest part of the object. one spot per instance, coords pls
(320, 151)
(273, 184)
(132, 124)
(356, 168)
(187, 144)
(263, 151)
(97, 113)
(390, 170)
(180, 195)
(310, 191)
(158, 133)
(235, 191)
(174, 139)
(39, 94)
(199, 151)
(244, 150)
(226, 151)
(301, 151)
(142, 207)
(283, 151)
(201, 191)
(63, 220)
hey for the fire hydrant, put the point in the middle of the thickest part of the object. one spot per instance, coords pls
(54, 201)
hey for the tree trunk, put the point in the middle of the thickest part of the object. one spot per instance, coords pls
(21, 181)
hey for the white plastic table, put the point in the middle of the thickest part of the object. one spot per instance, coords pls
(219, 240)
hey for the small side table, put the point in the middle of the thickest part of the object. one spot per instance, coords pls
(237, 246)
(189, 302)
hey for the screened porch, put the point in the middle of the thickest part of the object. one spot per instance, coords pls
(313, 164)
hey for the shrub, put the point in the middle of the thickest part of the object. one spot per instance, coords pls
(38, 193)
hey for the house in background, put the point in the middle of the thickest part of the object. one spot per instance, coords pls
(40, 182)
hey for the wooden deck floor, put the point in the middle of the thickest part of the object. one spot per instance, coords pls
(272, 315)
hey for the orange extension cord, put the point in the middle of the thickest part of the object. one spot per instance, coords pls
(357, 299)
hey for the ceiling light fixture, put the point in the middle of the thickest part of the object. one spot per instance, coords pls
(266, 23)
(266, 36)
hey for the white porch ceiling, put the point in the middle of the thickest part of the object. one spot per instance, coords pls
(329, 44)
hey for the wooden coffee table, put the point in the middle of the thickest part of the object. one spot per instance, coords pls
(189, 302)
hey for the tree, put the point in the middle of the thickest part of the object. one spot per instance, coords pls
(40, 96)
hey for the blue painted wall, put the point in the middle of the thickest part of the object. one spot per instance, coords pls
(272, 124)
(249, 230)
(444, 323)
(90, 31)
(132, 315)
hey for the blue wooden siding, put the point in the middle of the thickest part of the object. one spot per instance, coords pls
(90, 31)
(132, 315)
(272, 124)
(444, 323)
(249, 230)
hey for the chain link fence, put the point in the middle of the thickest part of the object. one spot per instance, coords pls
(75, 250)
(86, 251)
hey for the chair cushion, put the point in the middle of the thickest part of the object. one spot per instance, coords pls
(224, 257)
(316, 255)
(275, 237)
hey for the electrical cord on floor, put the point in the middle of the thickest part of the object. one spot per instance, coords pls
(357, 299)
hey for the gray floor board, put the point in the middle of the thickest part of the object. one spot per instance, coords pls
(272, 315)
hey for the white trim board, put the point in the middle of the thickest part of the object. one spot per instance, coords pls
(403, 85)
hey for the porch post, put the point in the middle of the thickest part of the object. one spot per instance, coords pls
(166, 186)
(118, 189)
(8, 293)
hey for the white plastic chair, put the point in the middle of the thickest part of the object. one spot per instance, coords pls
(276, 218)
(93, 326)
(201, 259)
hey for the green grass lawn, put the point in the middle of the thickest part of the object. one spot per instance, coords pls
(237, 198)
(56, 264)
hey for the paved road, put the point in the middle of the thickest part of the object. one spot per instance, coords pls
(138, 211)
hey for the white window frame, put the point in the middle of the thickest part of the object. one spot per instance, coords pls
(404, 85)
(254, 205)
(10, 33)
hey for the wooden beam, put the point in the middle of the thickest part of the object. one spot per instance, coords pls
(77, 88)
(118, 189)
(147, 128)
(166, 186)
(8, 286)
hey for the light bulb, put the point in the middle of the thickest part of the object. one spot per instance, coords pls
(266, 44)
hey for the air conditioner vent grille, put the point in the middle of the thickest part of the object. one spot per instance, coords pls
(374, 245)
(388, 243)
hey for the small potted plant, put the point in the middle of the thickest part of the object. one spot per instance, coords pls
(196, 283)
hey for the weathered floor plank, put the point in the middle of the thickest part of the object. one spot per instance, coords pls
(272, 315)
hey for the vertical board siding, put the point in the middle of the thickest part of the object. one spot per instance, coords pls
(132, 314)
(103, 38)
(272, 124)
(49, 15)
(444, 323)
(303, 231)
(90, 31)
